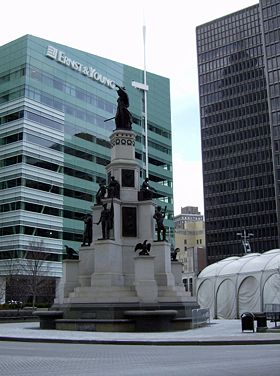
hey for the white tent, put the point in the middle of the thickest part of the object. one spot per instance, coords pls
(240, 284)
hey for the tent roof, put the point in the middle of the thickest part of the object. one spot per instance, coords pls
(252, 262)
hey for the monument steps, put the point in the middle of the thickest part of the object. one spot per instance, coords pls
(173, 291)
(97, 292)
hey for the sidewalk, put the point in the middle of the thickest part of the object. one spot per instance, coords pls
(219, 332)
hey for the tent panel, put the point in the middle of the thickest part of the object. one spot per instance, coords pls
(271, 290)
(205, 296)
(249, 296)
(226, 300)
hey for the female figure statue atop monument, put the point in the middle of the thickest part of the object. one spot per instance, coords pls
(123, 118)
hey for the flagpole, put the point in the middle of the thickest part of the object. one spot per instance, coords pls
(145, 104)
(144, 87)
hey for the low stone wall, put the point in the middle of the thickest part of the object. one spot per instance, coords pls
(152, 321)
(17, 314)
(95, 325)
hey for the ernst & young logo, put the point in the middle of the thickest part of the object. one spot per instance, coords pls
(60, 57)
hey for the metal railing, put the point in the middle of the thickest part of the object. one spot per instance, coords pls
(272, 312)
(200, 316)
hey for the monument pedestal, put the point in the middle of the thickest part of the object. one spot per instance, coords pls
(69, 280)
(177, 270)
(86, 265)
(145, 284)
(163, 273)
(108, 264)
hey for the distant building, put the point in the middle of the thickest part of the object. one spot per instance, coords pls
(57, 110)
(190, 239)
(239, 90)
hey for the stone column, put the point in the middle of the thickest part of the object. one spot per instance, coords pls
(86, 265)
(145, 219)
(68, 281)
(163, 274)
(145, 284)
(108, 266)
(177, 269)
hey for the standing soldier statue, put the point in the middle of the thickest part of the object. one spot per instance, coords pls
(106, 220)
(100, 194)
(87, 236)
(159, 217)
(113, 188)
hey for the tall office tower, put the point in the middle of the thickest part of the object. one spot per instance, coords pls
(54, 101)
(238, 69)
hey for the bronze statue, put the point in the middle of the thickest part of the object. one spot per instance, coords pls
(87, 236)
(159, 217)
(71, 254)
(146, 190)
(123, 118)
(100, 194)
(145, 248)
(106, 220)
(113, 188)
(174, 252)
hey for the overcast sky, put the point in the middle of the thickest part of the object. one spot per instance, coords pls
(113, 29)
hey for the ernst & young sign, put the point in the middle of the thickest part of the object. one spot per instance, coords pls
(60, 57)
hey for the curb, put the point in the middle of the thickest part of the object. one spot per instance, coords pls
(235, 342)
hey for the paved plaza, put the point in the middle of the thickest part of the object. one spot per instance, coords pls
(218, 332)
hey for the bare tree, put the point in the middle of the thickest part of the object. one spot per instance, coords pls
(35, 269)
(2, 289)
(16, 290)
(27, 275)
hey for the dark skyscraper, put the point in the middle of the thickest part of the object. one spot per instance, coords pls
(239, 68)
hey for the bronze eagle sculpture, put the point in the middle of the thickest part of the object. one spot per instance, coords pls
(145, 248)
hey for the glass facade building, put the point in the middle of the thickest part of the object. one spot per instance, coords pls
(238, 69)
(55, 144)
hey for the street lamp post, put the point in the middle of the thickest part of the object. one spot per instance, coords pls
(245, 240)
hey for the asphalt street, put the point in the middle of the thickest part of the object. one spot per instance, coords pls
(219, 349)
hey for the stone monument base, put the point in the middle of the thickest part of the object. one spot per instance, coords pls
(121, 317)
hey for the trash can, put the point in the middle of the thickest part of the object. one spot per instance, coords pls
(247, 321)
(261, 322)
